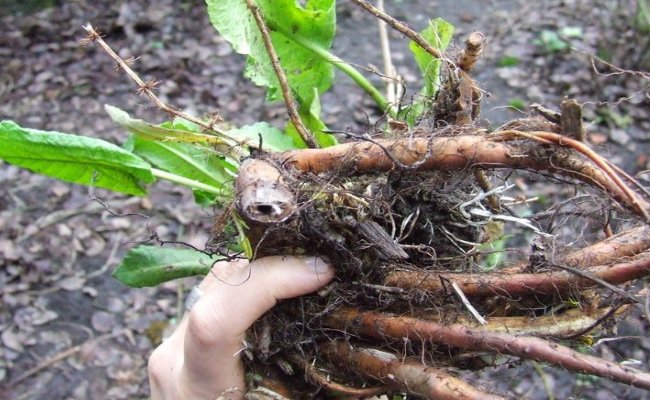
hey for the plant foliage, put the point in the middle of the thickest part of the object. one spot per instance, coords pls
(73, 158)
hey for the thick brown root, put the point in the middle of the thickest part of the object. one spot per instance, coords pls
(541, 283)
(316, 377)
(413, 377)
(466, 151)
(381, 326)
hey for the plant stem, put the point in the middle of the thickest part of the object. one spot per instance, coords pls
(289, 101)
(344, 67)
(194, 184)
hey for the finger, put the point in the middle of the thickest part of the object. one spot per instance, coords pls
(234, 298)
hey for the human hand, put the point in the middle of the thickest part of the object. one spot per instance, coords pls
(200, 360)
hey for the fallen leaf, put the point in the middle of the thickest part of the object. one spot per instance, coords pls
(27, 317)
(72, 283)
(102, 321)
(13, 339)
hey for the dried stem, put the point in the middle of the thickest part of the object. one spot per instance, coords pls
(289, 101)
(484, 183)
(571, 120)
(401, 27)
(145, 88)
(411, 375)
(467, 304)
(380, 326)
(390, 72)
(56, 358)
(472, 51)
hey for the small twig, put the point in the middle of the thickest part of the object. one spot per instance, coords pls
(548, 114)
(481, 196)
(289, 101)
(61, 215)
(108, 209)
(553, 138)
(484, 183)
(145, 88)
(402, 28)
(480, 212)
(382, 288)
(62, 356)
(617, 338)
(109, 260)
(646, 304)
(467, 304)
(617, 70)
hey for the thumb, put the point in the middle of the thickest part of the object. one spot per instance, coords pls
(235, 295)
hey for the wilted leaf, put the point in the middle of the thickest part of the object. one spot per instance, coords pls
(185, 132)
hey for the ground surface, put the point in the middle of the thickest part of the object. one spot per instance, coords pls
(58, 247)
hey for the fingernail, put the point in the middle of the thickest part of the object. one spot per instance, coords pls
(318, 265)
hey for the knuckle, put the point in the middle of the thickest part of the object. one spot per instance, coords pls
(158, 366)
(205, 325)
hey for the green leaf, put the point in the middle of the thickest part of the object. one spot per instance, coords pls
(192, 162)
(242, 240)
(153, 265)
(76, 159)
(571, 32)
(411, 113)
(551, 42)
(157, 145)
(272, 138)
(508, 61)
(495, 245)
(438, 34)
(287, 19)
